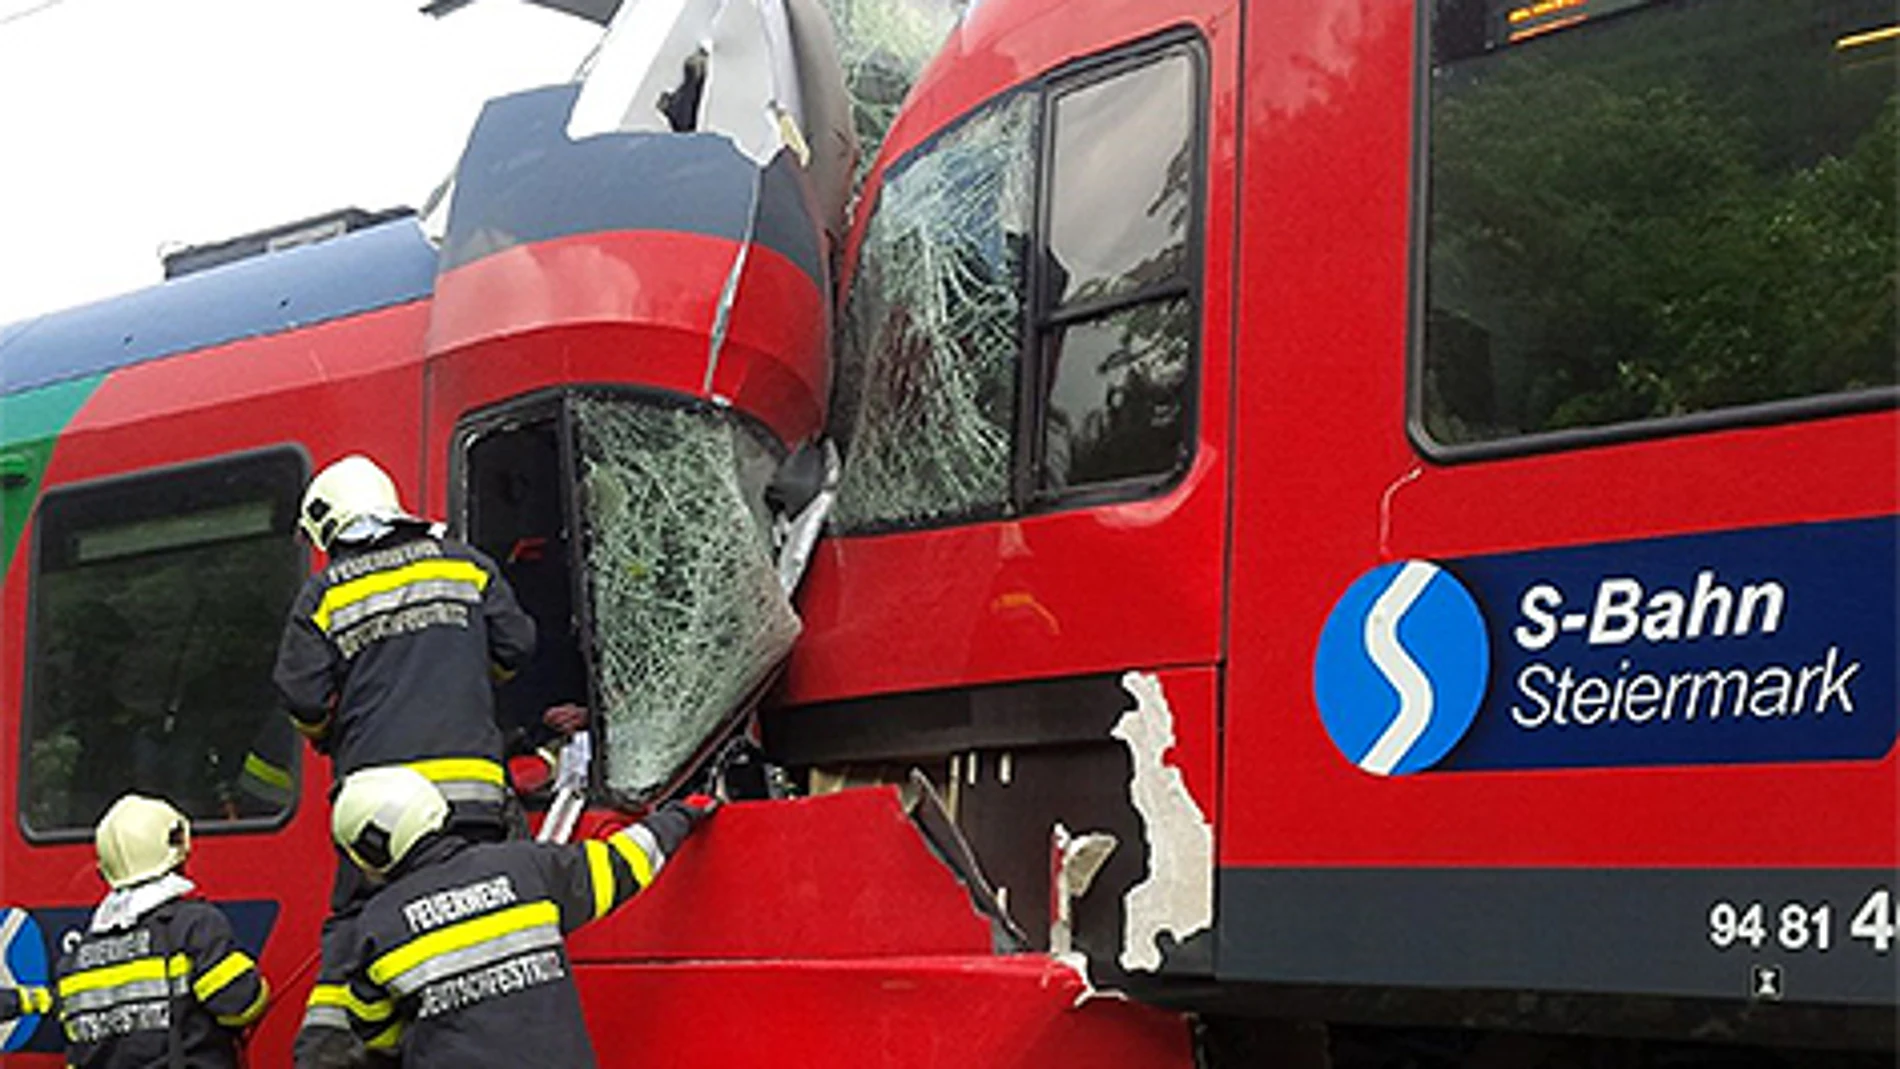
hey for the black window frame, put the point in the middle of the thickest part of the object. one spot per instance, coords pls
(1761, 414)
(1044, 319)
(153, 483)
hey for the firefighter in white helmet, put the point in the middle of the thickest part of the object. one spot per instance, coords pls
(389, 657)
(458, 960)
(157, 977)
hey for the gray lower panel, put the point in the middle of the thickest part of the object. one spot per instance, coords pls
(1703, 933)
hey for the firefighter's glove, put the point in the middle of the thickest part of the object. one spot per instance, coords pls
(674, 821)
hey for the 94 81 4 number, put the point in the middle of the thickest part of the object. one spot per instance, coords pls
(1798, 926)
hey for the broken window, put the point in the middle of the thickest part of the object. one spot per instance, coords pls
(688, 617)
(926, 399)
(648, 518)
(883, 45)
(934, 327)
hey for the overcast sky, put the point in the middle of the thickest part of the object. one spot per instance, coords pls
(131, 126)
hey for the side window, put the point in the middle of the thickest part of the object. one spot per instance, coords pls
(934, 327)
(1022, 321)
(1653, 210)
(1118, 330)
(157, 604)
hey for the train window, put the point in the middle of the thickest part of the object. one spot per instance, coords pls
(157, 603)
(982, 269)
(934, 327)
(1118, 330)
(1645, 211)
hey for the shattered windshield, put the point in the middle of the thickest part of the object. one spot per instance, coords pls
(688, 615)
(927, 376)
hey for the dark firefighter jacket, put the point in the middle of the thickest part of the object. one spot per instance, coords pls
(389, 657)
(124, 996)
(461, 962)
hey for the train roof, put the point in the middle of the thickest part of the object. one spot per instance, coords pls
(358, 272)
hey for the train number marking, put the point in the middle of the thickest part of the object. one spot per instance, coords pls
(1800, 926)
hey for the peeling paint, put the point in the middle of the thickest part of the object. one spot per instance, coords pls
(1177, 896)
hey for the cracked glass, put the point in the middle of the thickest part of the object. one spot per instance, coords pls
(934, 326)
(689, 619)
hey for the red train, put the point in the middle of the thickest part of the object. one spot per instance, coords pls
(1421, 478)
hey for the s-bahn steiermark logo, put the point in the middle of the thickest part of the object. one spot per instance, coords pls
(1755, 646)
(22, 964)
(1402, 667)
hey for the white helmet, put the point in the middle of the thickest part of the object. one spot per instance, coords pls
(381, 813)
(352, 489)
(140, 839)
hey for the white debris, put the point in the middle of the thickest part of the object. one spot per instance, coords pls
(1178, 895)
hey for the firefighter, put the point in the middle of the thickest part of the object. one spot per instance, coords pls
(459, 958)
(156, 979)
(389, 657)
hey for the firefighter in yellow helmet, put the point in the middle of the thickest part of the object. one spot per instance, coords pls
(156, 978)
(389, 657)
(458, 960)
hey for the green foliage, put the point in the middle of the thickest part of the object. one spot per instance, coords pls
(1620, 240)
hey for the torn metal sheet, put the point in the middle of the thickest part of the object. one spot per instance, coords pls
(934, 327)
(1177, 897)
(1074, 862)
(689, 618)
(763, 73)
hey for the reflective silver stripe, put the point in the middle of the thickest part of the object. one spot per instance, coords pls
(456, 961)
(326, 1017)
(413, 593)
(644, 838)
(100, 998)
(471, 790)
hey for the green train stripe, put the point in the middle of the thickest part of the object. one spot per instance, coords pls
(30, 423)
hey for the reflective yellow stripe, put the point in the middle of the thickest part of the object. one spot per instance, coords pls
(249, 1013)
(42, 999)
(130, 972)
(464, 934)
(636, 858)
(600, 871)
(220, 976)
(264, 772)
(382, 582)
(387, 1039)
(340, 995)
(449, 769)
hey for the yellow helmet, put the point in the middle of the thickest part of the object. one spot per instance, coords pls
(140, 839)
(351, 489)
(381, 813)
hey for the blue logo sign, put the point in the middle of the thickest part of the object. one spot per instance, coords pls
(1401, 668)
(1735, 647)
(22, 964)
